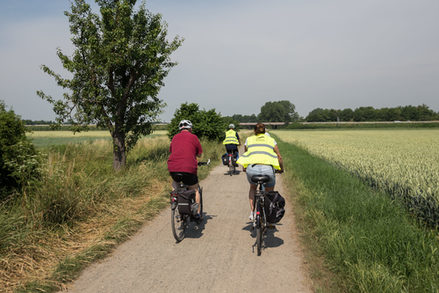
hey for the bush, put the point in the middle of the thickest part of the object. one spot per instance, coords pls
(206, 124)
(19, 161)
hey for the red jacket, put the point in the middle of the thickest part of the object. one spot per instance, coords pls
(184, 149)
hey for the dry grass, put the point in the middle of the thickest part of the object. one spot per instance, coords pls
(109, 198)
(108, 208)
(39, 261)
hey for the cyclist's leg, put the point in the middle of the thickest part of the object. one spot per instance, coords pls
(191, 180)
(251, 193)
(236, 151)
(174, 183)
(197, 195)
(251, 196)
(269, 171)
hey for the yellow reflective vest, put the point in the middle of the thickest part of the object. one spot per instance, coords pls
(231, 137)
(260, 150)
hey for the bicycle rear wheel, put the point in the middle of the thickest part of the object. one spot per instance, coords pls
(258, 235)
(258, 228)
(178, 225)
(200, 190)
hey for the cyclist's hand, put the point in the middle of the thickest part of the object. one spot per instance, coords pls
(280, 171)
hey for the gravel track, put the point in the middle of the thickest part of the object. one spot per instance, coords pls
(217, 257)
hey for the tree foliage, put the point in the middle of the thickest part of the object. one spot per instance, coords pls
(206, 124)
(278, 111)
(244, 118)
(120, 60)
(19, 161)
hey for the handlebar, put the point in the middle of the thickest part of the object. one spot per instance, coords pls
(204, 163)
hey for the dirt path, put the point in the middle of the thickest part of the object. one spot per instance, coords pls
(216, 258)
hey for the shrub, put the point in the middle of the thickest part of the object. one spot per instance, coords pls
(19, 161)
(206, 124)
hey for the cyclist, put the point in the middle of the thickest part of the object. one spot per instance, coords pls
(232, 141)
(185, 148)
(261, 157)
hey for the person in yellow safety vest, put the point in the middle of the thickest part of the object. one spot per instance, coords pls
(232, 141)
(261, 157)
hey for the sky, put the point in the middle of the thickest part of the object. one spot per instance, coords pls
(239, 54)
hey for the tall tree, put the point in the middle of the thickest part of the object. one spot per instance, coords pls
(120, 60)
(279, 111)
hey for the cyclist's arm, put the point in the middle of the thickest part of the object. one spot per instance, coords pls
(279, 157)
(199, 149)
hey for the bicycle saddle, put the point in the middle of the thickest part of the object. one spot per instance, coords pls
(260, 178)
(178, 177)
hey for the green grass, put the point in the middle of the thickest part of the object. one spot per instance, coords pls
(79, 186)
(368, 240)
(46, 138)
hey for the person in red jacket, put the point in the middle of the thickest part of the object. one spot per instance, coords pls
(185, 148)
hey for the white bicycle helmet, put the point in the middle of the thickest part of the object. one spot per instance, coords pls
(184, 124)
(231, 125)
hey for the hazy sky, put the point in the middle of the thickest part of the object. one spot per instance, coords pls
(239, 54)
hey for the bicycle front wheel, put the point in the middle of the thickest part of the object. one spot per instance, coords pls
(178, 225)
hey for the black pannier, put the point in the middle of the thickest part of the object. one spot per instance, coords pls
(274, 206)
(225, 159)
(185, 200)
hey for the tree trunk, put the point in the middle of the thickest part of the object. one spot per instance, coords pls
(119, 151)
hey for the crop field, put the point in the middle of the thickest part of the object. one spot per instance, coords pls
(405, 163)
(57, 137)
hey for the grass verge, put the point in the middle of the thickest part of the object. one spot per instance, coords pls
(367, 240)
(81, 210)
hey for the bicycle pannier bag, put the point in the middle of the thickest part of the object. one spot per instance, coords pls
(225, 159)
(274, 206)
(185, 201)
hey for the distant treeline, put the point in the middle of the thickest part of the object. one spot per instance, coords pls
(37, 122)
(401, 113)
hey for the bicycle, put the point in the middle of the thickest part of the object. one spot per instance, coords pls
(260, 221)
(232, 163)
(184, 207)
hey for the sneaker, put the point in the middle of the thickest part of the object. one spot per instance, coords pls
(252, 216)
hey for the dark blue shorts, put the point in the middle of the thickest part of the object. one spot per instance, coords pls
(231, 148)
